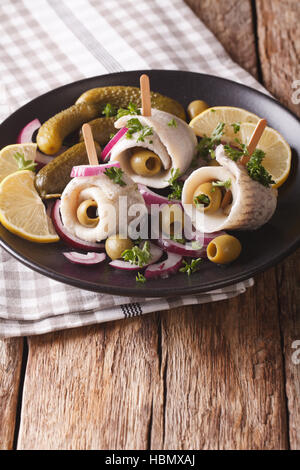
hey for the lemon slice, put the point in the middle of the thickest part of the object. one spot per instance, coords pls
(22, 211)
(8, 163)
(278, 152)
(207, 121)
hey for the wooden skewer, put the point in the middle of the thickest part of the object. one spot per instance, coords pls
(257, 133)
(89, 144)
(145, 95)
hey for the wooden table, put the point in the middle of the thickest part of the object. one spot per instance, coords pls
(219, 376)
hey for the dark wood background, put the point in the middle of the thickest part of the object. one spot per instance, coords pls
(218, 376)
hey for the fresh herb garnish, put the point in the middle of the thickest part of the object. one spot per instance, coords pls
(201, 199)
(172, 123)
(207, 145)
(24, 164)
(212, 110)
(175, 184)
(137, 255)
(178, 240)
(145, 132)
(256, 171)
(236, 153)
(132, 109)
(225, 184)
(111, 135)
(140, 278)
(109, 110)
(191, 267)
(236, 127)
(115, 174)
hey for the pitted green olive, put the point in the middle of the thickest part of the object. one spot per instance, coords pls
(223, 249)
(145, 163)
(196, 107)
(115, 245)
(208, 195)
(87, 213)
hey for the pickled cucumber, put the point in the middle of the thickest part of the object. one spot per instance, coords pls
(52, 133)
(121, 96)
(53, 177)
(102, 128)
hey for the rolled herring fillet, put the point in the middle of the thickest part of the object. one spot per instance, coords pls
(113, 208)
(174, 144)
(252, 203)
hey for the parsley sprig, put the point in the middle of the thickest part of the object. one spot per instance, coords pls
(206, 146)
(172, 123)
(137, 255)
(131, 109)
(140, 278)
(219, 184)
(201, 199)
(176, 185)
(191, 267)
(134, 125)
(24, 164)
(115, 174)
(109, 110)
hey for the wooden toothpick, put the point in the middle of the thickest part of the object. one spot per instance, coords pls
(89, 144)
(145, 95)
(257, 133)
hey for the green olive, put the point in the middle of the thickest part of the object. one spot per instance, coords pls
(224, 249)
(116, 244)
(145, 163)
(172, 220)
(196, 107)
(209, 195)
(86, 213)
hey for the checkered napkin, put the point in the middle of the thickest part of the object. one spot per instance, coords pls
(48, 43)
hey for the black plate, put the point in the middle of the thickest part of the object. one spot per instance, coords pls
(261, 249)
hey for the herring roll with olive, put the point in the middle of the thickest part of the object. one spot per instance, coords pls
(228, 197)
(152, 146)
(95, 207)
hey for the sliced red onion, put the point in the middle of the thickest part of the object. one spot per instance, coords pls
(156, 254)
(164, 269)
(186, 249)
(150, 197)
(105, 154)
(88, 258)
(25, 135)
(92, 170)
(68, 237)
(204, 238)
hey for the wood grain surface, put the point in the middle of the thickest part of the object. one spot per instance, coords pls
(218, 376)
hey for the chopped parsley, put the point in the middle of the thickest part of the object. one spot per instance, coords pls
(256, 171)
(225, 184)
(24, 164)
(140, 278)
(201, 199)
(176, 185)
(207, 145)
(131, 109)
(191, 267)
(212, 110)
(137, 255)
(109, 110)
(172, 123)
(134, 125)
(115, 174)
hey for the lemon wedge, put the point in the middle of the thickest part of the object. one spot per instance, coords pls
(207, 121)
(8, 164)
(22, 211)
(278, 152)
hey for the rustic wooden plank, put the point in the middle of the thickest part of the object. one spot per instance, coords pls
(91, 388)
(279, 47)
(288, 277)
(232, 23)
(223, 374)
(10, 370)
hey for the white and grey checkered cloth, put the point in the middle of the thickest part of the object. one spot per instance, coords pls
(48, 43)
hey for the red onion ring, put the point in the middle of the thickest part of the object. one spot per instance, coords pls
(85, 259)
(156, 254)
(105, 154)
(164, 269)
(92, 170)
